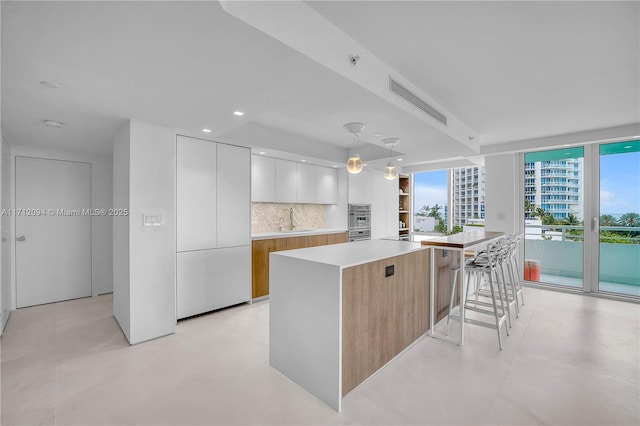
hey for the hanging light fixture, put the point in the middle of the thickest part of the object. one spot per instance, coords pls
(354, 163)
(390, 171)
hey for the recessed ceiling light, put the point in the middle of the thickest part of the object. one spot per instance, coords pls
(53, 123)
(364, 165)
(262, 152)
(399, 159)
(304, 161)
(238, 113)
(377, 134)
(49, 84)
(206, 130)
(335, 165)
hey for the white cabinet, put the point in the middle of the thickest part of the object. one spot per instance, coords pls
(360, 188)
(196, 194)
(263, 179)
(212, 279)
(326, 185)
(282, 181)
(213, 226)
(234, 201)
(306, 183)
(286, 181)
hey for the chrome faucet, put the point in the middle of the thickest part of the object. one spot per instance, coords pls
(280, 223)
(291, 218)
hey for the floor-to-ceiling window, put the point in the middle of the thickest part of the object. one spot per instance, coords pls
(619, 233)
(430, 195)
(582, 217)
(554, 216)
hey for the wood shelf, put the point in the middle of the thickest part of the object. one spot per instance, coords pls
(404, 183)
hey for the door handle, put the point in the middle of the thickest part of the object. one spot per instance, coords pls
(595, 224)
(21, 238)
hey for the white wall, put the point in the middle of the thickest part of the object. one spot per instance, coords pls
(502, 193)
(5, 225)
(152, 248)
(101, 226)
(145, 256)
(121, 300)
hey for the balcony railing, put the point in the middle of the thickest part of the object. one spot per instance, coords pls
(559, 249)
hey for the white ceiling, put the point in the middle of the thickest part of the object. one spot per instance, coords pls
(509, 70)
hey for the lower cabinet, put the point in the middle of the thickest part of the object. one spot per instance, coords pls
(212, 279)
(260, 255)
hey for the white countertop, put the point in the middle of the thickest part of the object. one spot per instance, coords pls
(355, 253)
(295, 233)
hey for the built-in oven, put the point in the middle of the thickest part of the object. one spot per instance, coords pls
(359, 234)
(359, 216)
(359, 222)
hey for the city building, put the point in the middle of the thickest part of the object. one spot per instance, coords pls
(555, 186)
(466, 195)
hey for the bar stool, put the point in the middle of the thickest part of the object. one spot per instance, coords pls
(484, 264)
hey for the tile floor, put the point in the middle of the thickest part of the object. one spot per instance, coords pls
(570, 359)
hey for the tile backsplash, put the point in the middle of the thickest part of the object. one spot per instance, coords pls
(265, 217)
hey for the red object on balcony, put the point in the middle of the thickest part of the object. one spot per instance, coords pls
(532, 270)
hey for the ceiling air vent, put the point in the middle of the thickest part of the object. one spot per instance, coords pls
(396, 88)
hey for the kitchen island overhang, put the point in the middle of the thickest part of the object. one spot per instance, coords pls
(340, 313)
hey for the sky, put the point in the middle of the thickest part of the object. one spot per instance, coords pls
(619, 185)
(430, 188)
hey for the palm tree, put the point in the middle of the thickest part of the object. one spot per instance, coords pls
(631, 220)
(539, 212)
(571, 220)
(608, 220)
(435, 212)
(424, 210)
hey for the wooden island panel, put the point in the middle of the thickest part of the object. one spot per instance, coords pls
(381, 315)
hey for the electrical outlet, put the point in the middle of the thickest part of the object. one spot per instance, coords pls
(389, 271)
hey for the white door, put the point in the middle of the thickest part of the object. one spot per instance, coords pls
(53, 237)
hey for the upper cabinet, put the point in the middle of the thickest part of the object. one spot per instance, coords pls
(213, 207)
(306, 183)
(263, 179)
(326, 185)
(281, 181)
(196, 194)
(286, 182)
(234, 213)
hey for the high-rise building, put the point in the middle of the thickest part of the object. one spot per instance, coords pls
(466, 194)
(555, 186)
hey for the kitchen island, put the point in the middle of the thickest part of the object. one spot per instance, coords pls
(339, 313)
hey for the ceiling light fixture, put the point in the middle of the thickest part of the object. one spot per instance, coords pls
(238, 113)
(49, 85)
(206, 130)
(399, 159)
(304, 161)
(53, 123)
(262, 153)
(390, 171)
(354, 163)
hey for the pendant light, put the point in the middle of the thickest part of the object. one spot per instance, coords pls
(354, 163)
(390, 171)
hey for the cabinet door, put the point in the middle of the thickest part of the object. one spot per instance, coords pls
(234, 202)
(326, 185)
(286, 181)
(263, 179)
(297, 242)
(342, 237)
(260, 263)
(318, 240)
(306, 183)
(212, 279)
(196, 194)
(360, 188)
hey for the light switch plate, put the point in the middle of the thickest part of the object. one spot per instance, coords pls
(152, 220)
